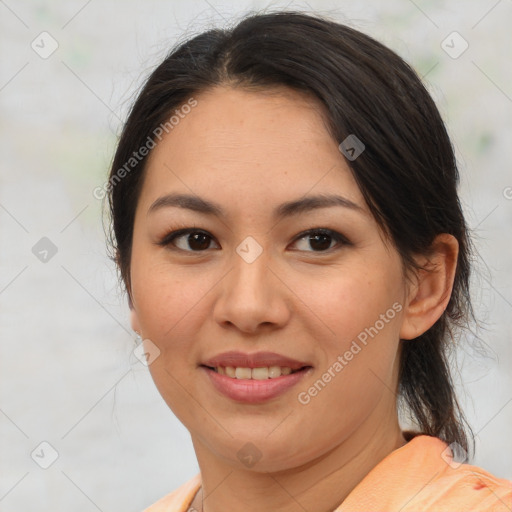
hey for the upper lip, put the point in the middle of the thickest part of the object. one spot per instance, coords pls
(255, 360)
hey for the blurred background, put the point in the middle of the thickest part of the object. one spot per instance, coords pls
(82, 425)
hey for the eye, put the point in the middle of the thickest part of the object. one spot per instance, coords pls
(321, 239)
(194, 240)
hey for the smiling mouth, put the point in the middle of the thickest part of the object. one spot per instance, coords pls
(259, 373)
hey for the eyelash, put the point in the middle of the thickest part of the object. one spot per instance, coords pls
(168, 239)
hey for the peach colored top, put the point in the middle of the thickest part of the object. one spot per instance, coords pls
(414, 478)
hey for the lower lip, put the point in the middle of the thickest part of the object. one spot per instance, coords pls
(254, 391)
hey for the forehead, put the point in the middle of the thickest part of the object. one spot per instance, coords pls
(253, 145)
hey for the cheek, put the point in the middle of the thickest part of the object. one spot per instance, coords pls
(350, 301)
(357, 369)
(169, 312)
(171, 307)
(362, 310)
(159, 291)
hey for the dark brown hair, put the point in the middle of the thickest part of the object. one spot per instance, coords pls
(407, 173)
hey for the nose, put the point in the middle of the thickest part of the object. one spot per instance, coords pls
(252, 296)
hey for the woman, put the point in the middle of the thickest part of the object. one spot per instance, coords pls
(286, 222)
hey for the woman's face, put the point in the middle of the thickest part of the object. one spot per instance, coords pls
(254, 281)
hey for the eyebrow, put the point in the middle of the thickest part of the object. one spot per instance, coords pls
(288, 209)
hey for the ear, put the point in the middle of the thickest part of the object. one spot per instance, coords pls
(429, 294)
(134, 319)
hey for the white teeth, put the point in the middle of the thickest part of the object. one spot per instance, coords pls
(243, 373)
(259, 373)
(262, 373)
(274, 371)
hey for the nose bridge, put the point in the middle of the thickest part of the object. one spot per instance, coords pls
(251, 294)
(251, 262)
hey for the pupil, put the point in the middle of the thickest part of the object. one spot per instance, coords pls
(326, 241)
(199, 241)
(198, 237)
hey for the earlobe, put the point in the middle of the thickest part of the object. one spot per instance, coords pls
(134, 319)
(430, 294)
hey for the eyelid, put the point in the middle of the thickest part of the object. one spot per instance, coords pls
(335, 235)
(169, 238)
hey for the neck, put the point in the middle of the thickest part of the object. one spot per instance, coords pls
(321, 485)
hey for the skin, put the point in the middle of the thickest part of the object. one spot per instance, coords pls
(249, 152)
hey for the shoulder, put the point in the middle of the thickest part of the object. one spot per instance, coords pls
(449, 485)
(178, 500)
(422, 475)
(473, 488)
